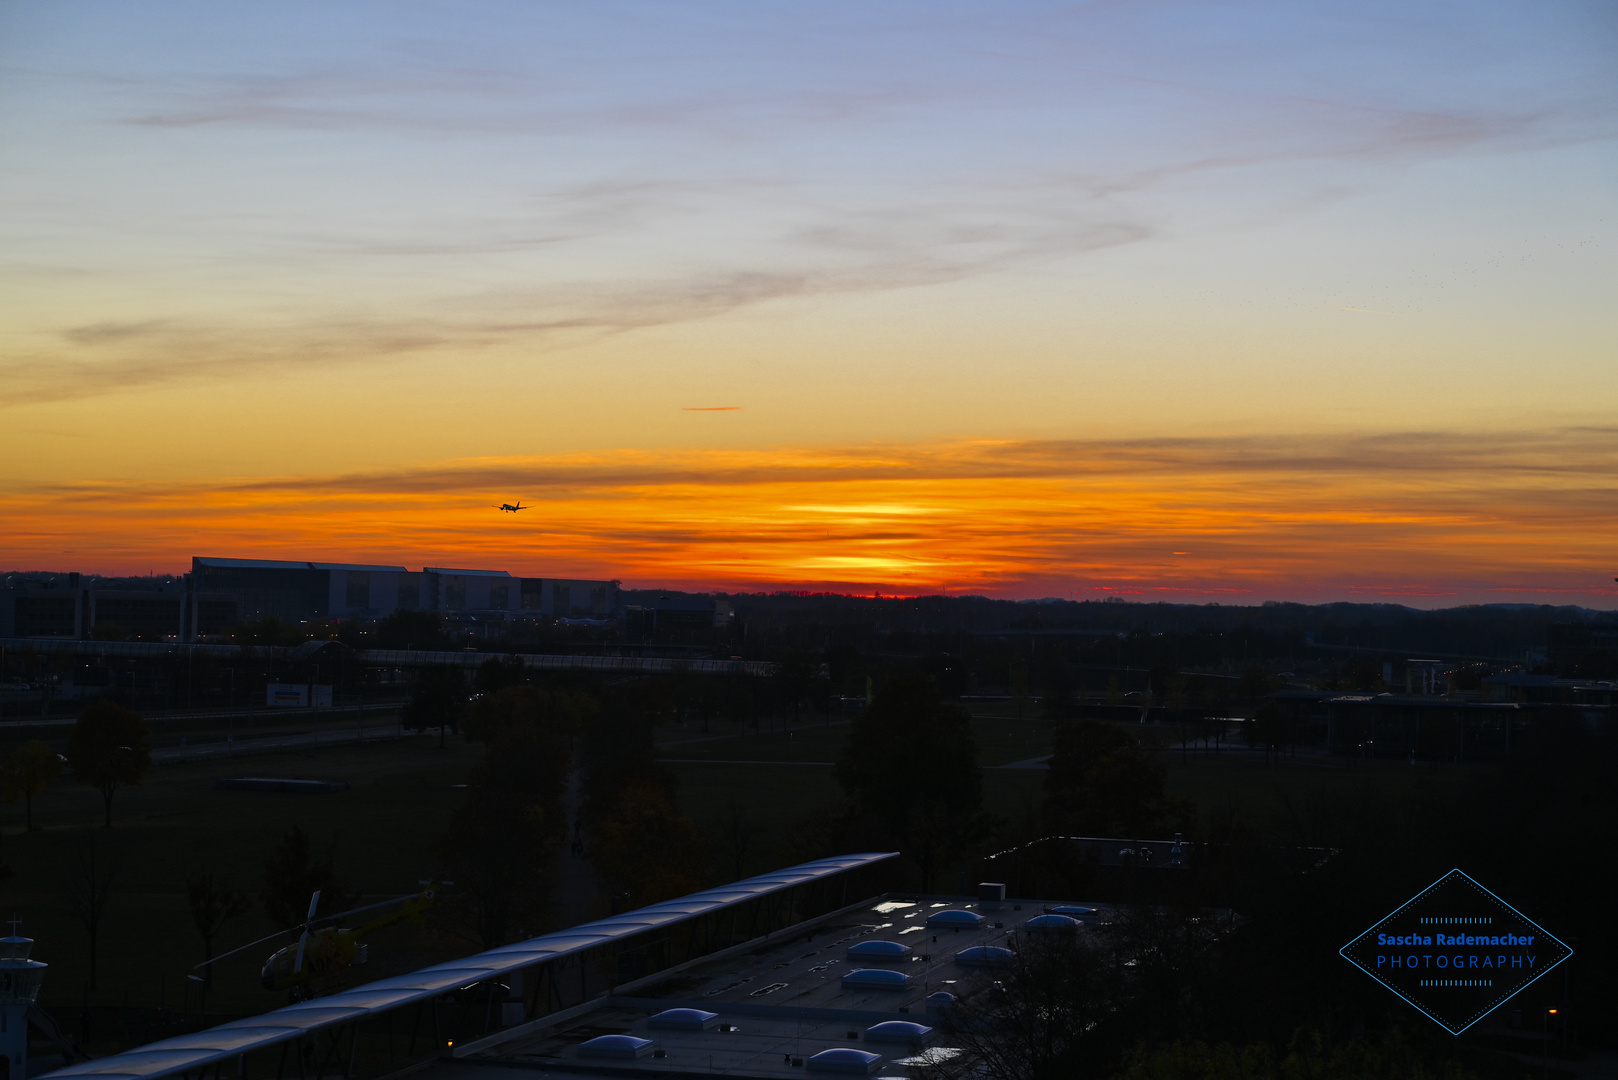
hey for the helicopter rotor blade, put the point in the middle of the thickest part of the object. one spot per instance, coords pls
(303, 939)
(314, 901)
(244, 948)
(368, 907)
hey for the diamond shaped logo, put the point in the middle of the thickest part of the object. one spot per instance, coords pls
(1455, 951)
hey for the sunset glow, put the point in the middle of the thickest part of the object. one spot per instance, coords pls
(1257, 518)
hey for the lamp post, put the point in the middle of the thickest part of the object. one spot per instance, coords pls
(1545, 1042)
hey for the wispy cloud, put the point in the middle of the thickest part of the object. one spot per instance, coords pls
(103, 357)
(751, 159)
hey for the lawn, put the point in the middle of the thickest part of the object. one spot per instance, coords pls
(176, 824)
(733, 782)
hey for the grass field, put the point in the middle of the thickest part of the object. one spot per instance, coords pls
(780, 777)
(176, 823)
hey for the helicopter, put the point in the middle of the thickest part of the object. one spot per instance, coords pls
(318, 964)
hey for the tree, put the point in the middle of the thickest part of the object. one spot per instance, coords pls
(91, 878)
(617, 750)
(800, 677)
(437, 701)
(738, 837)
(646, 849)
(500, 842)
(498, 672)
(108, 749)
(497, 850)
(292, 874)
(1042, 1018)
(214, 902)
(911, 768)
(1267, 729)
(1100, 783)
(1069, 1003)
(1254, 683)
(26, 772)
(520, 709)
(1056, 702)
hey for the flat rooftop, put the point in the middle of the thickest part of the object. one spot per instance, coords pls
(779, 1001)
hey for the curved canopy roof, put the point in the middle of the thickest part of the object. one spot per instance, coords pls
(192, 1052)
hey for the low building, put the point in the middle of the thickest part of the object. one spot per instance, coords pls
(811, 969)
(1566, 644)
(1423, 726)
(676, 619)
(77, 611)
(569, 598)
(302, 591)
(43, 612)
(1522, 686)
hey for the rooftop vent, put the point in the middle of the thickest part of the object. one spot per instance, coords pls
(988, 956)
(845, 1060)
(877, 979)
(684, 1020)
(622, 1047)
(955, 917)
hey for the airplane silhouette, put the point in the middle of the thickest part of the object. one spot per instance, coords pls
(510, 509)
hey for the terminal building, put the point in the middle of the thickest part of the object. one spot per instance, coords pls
(814, 969)
(74, 610)
(299, 591)
(219, 593)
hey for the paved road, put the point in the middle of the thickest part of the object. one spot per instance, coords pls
(576, 895)
(736, 761)
(752, 734)
(301, 740)
(1026, 763)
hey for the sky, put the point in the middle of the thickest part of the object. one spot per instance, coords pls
(1199, 301)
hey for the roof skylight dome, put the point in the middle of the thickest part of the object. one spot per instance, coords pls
(955, 917)
(878, 950)
(846, 1060)
(683, 1020)
(877, 979)
(898, 1031)
(616, 1046)
(985, 956)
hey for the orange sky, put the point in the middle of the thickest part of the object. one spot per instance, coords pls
(1427, 519)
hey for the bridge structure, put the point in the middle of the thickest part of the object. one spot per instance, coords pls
(387, 1027)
